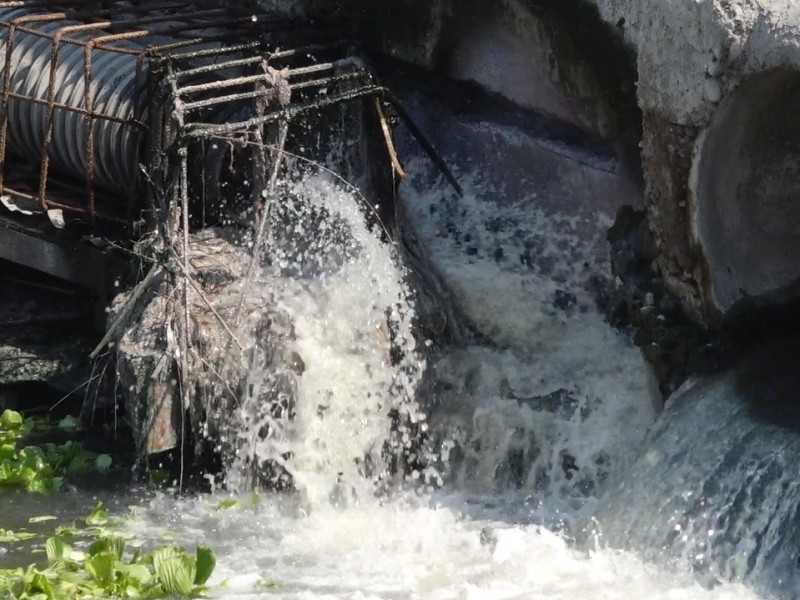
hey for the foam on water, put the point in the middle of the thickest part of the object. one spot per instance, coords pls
(533, 417)
(543, 416)
(405, 549)
(557, 402)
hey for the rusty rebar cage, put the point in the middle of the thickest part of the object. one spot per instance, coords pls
(106, 104)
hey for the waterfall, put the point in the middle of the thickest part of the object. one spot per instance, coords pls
(717, 485)
(519, 424)
(341, 285)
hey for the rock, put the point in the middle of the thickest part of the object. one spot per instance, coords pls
(44, 337)
(221, 371)
(721, 457)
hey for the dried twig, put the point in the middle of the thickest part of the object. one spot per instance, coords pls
(123, 318)
(207, 302)
(387, 137)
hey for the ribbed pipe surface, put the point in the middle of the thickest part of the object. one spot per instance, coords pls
(113, 95)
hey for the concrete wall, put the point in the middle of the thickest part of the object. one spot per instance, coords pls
(701, 91)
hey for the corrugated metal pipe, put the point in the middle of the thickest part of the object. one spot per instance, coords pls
(111, 99)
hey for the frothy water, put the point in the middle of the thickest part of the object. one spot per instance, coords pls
(547, 400)
(526, 428)
(527, 421)
(406, 549)
(351, 314)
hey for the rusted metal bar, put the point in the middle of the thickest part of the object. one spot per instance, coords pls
(189, 106)
(287, 113)
(177, 90)
(51, 100)
(250, 60)
(221, 84)
(13, 26)
(327, 81)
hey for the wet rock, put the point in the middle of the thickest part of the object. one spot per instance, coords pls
(46, 334)
(699, 93)
(239, 368)
(675, 346)
(719, 466)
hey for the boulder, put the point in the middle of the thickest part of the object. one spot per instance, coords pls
(236, 357)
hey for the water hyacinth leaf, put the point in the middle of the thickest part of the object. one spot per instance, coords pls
(8, 536)
(11, 419)
(139, 574)
(164, 553)
(98, 517)
(113, 545)
(68, 423)
(56, 549)
(177, 574)
(227, 503)
(66, 532)
(206, 561)
(40, 584)
(101, 568)
(41, 519)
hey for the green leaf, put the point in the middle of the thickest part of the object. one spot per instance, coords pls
(11, 419)
(98, 516)
(40, 585)
(227, 503)
(41, 519)
(56, 549)
(101, 568)
(206, 561)
(69, 423)
(114, 545)
(7, 536)
(177, 574)
(162, 554)
(139, 574)
(102, 462)
(66, 531)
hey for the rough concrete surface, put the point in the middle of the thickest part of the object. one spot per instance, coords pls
(716, 83)
(718, 86)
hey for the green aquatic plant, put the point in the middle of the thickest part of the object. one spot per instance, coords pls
(108, 568)
(41, 468)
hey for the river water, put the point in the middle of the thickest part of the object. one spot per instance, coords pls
(531, 405)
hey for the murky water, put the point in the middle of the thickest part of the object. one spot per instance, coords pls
(531, 417)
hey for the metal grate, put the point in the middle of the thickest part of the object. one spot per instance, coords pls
(91, 91)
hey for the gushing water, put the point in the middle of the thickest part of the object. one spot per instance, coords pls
(526, 440)
(530, 417)
(343, 291)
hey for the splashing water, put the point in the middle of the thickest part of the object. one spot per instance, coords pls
(534, 415)
(551, 401)
(343, 290)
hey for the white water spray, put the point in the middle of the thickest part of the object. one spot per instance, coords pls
(343, 290)
(544, 414)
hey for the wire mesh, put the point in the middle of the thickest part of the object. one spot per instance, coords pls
(90, 91)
